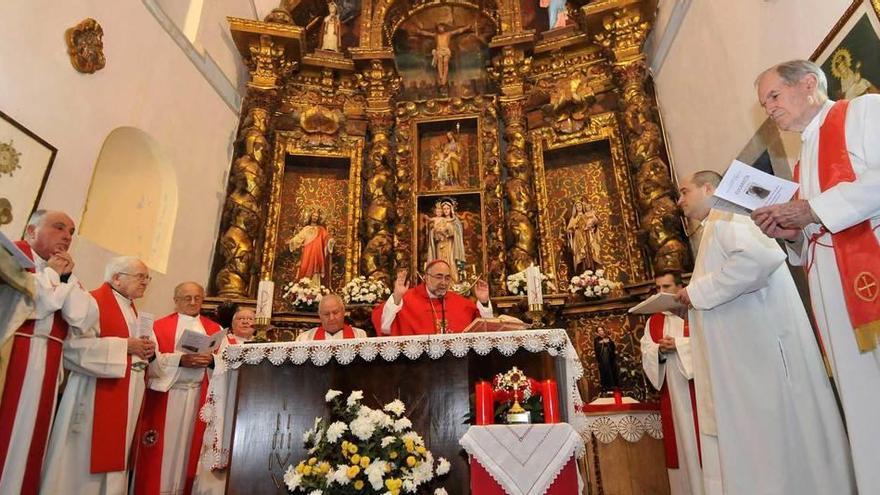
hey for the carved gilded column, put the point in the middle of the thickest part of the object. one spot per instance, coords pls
(244, 214)
(379, 84)
(378, 194)
(623, 36)
(509, 70)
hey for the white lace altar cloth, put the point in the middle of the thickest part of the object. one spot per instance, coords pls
(631, 425)
(523, 459)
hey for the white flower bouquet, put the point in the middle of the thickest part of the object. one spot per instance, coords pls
(304, 294)
(363, 290)
(359, 450)
(517, 285)
(592, 285)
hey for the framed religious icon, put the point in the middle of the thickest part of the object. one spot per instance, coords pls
(25, 162)
(848, 55)
(450, 227)
(448, 155)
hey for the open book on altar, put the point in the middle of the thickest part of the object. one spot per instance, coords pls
(502, 323)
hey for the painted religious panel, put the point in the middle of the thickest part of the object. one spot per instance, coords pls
(448, 155)
(451, 228)
(848, 56)
(443, 51)
(312, 224)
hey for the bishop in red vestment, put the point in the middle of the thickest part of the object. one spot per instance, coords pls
(430, 307)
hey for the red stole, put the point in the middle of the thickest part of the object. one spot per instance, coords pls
(321, 334)
(110, 422)
(151, 431)
(655, 327)
(421, 315)
(15, 376)
(856, 249)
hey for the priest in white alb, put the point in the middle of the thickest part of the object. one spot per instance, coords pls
(170, 433)
(33, 370)
(91, 438)
(833, 230)
(666, 359)
(769, 423)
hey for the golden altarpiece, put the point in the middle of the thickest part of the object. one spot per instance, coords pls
(369, 117)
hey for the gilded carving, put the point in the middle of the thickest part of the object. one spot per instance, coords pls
(267, 63)
(85, 45)
(242, 213)
(379, 190)
(522, 244)
(661, 228)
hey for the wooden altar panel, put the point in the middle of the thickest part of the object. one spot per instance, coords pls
(283, 401)
(276, 404)
(626, 468)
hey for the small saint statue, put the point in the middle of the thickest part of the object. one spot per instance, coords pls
(606, 360)
(583, 241)
(330, 29)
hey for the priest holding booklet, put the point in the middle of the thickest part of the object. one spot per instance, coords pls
(430, 307)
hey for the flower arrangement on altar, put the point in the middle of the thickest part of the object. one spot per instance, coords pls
(363, 290)
(592, 285)
(359, 450)
(512, 393)
(517, 283)
(304, 294)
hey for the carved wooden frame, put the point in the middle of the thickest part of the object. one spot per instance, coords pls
(604, 126)
(287, 144)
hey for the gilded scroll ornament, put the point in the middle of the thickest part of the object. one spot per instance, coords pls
(267, 63)
(85, 45)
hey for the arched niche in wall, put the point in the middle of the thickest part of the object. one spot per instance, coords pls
(132, 203)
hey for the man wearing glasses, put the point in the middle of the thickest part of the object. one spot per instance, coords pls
(170, 435)
(101, 402)
(430, 307)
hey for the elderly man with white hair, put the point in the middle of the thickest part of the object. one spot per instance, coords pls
(32, 350)
(331, 312)
(98, 413)
(833, 230)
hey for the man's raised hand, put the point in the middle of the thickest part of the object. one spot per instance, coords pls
(401, 285)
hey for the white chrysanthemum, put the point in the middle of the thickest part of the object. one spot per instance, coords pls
(291, 478)
(376, 474)
(442, 466)
(416, 439)
(331, 394)
(335, 431)
(355, 397)
(339, 475)
(386, 441)
(440, 491)
(362, 428)
(402, 424)
(396, 407)
(317, 492)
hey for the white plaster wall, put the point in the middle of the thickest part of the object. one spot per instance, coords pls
(705, 84)
(148, 83)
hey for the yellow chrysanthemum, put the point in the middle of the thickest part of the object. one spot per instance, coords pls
(365, 462)
(392, 455)
(421, 450)
(408, 443)
(355, 459)
(300, 467)
(353, 471)
(307, 470)
(313, 461)
(359, 485)
(324, 467)
(410, 461)
(353, 448)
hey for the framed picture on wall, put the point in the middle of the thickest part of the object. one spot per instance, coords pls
(25, 162)
(849, 54)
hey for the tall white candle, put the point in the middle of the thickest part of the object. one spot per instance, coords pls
(265, 292)
(533, 285)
